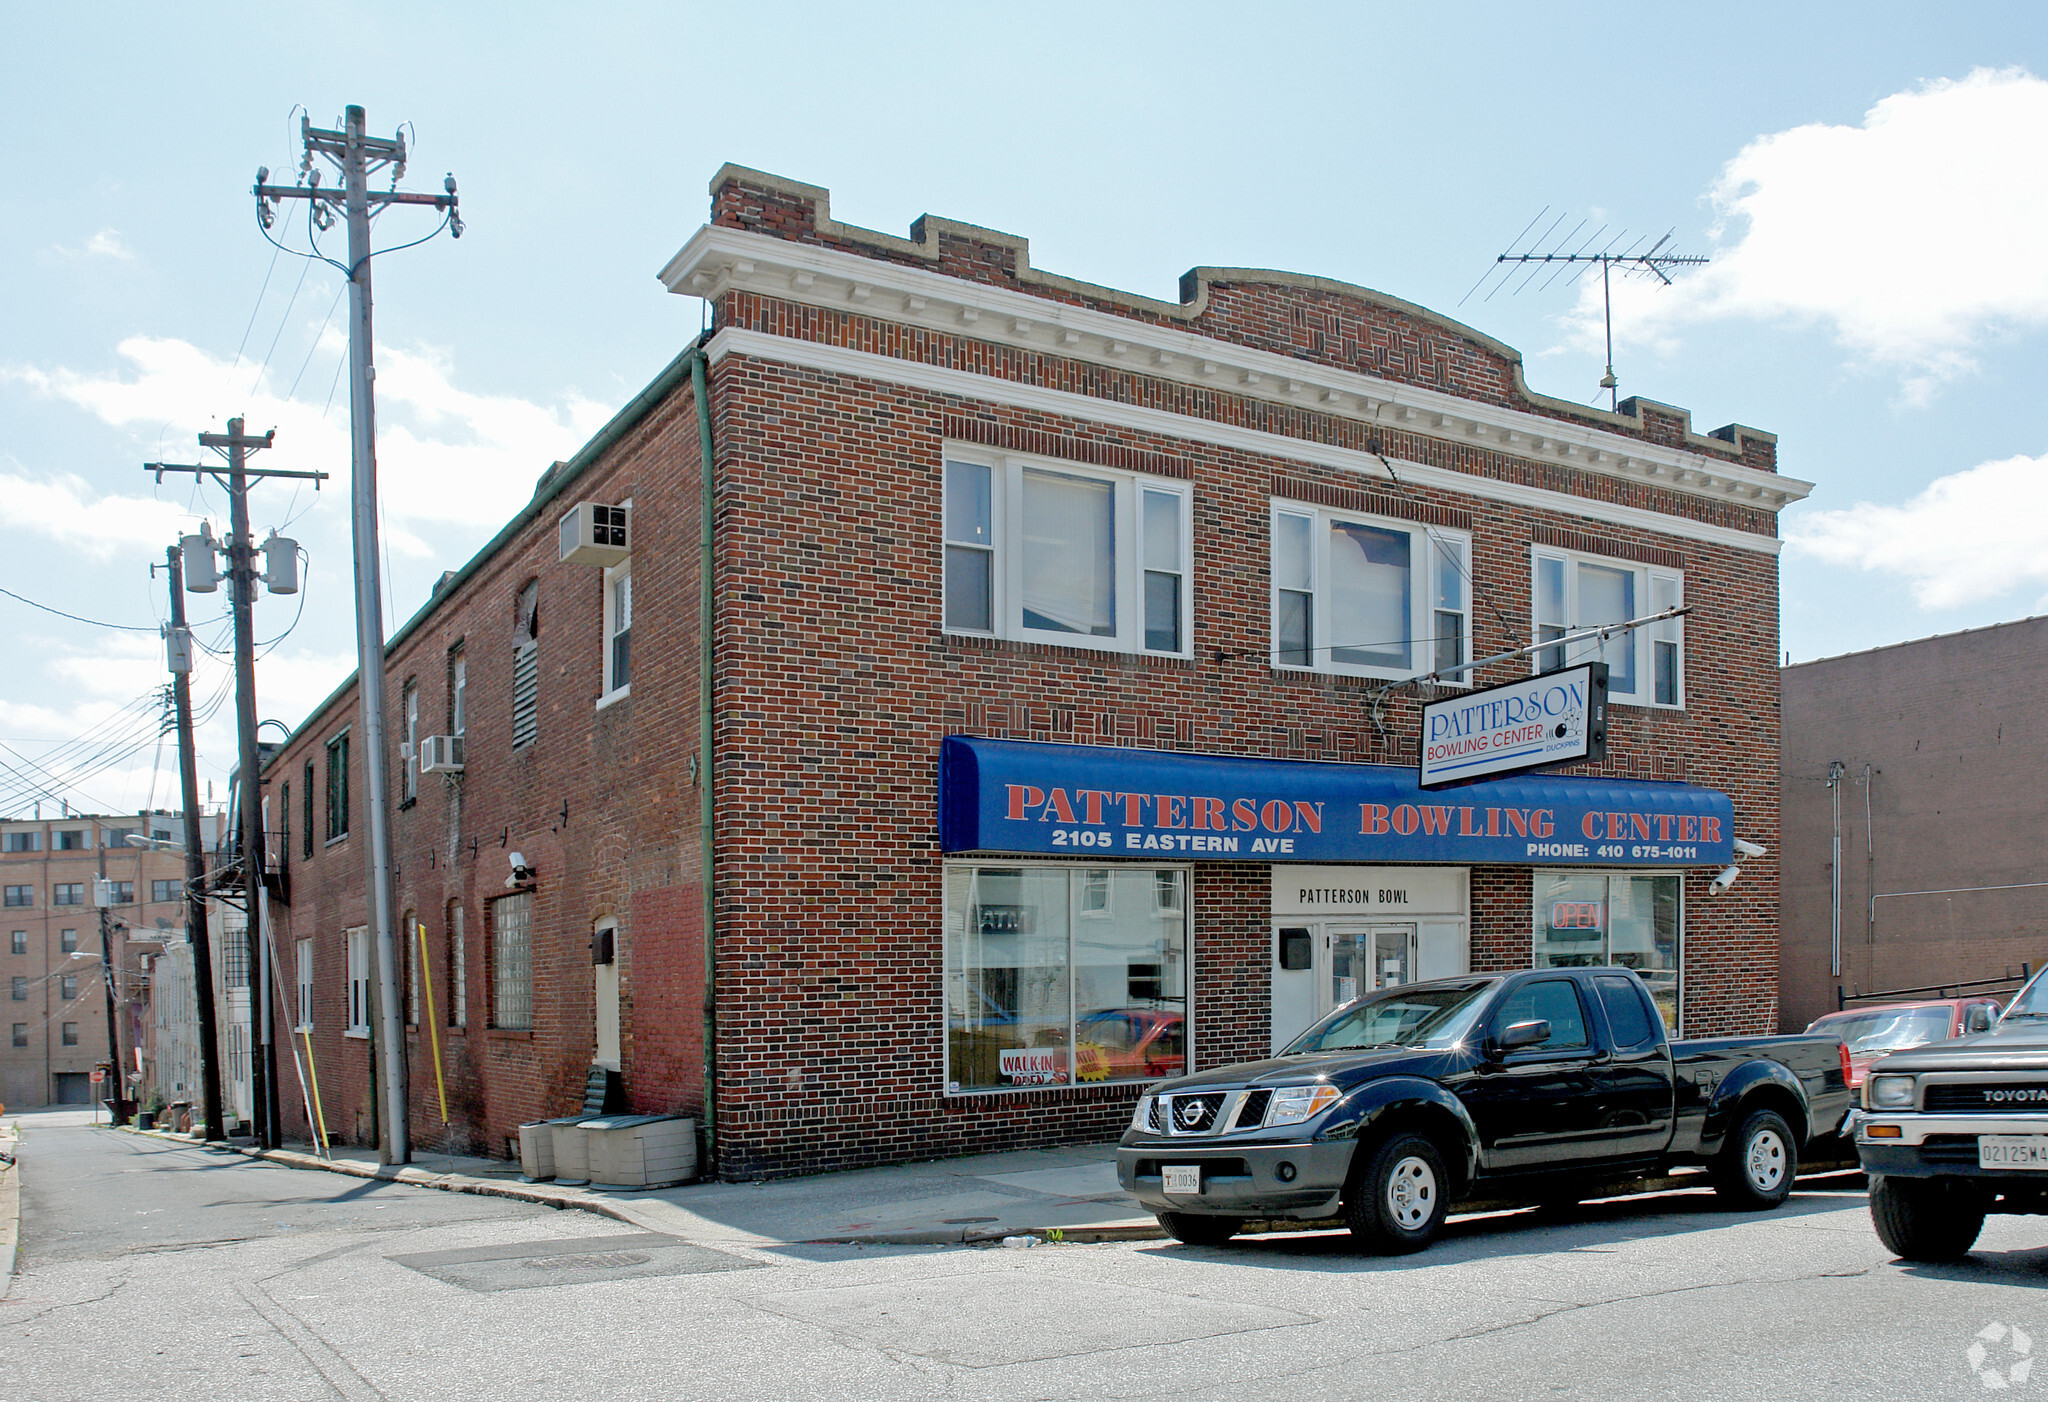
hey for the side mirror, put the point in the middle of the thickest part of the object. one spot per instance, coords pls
(1979, 1019)
(1522, 1034)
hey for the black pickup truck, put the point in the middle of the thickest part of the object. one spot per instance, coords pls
(1535, 1087)
(1954, 1130)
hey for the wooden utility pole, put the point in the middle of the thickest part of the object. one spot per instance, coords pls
(197, 932)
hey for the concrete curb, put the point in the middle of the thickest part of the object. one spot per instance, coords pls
(621, 1210)
(417, 1177)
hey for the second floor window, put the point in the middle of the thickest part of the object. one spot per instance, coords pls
(17, 942)
(1570, 593)
(1366, 596)
(337, 787)
(306, 817)
(21, 895)
(170, 890)
(67, 941)
(68, 1034)
(1067, 554)
(123, 892)
(68, 893)
(409, 708)
(618, 629)
(526, 667)
(67, 987)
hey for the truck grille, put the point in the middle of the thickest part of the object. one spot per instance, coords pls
(1191, 1114)
(1252, 1112)
(1978, 1097)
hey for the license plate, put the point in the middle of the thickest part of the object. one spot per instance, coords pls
(1187, 1178)
(2013, 1151)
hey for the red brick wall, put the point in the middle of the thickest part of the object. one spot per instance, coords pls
(835, 685)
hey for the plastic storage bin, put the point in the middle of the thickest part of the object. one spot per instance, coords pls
(641, 1151)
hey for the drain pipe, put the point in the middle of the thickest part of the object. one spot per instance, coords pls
(705, 769)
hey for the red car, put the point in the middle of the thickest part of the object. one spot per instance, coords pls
(1130, 1043)
(1883, 1028)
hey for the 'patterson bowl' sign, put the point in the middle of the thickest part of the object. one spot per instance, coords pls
(1557, 718)
(1031, 798)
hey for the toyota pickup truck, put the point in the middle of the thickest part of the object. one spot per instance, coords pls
(1536, 1087)
(1952, 1132)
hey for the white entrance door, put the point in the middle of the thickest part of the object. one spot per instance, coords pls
(605, 971)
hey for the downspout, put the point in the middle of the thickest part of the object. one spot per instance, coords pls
(705, 642)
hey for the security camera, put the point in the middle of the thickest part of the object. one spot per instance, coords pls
(522, 874)
(1748, 848)
(517, 859)
(1722, 882)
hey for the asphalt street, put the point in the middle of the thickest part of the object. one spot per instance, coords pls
(153, 1269)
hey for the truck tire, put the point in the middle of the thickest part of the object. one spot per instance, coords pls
(1198, 1230)
(1925, 1219)
(1398, 1204)
(1755, 1172)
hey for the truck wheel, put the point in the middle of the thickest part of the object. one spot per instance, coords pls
(1925, 1219)
(1198, 1230)
(1754, 1173)
(1398, 1204)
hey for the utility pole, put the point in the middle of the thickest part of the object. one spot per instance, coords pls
(242, 576)
(197, 933)
(357, 155)
(115, 1078)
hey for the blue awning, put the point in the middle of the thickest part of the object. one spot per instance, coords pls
(1025, 797)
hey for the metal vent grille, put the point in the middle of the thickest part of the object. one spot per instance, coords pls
(1253, 1111)
(525, 696)
(1981, 1097)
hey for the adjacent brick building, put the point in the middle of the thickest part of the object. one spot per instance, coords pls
(1039, 544)
(1926, 759)
(50, 966)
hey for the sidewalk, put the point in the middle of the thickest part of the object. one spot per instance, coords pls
(1070, 1194)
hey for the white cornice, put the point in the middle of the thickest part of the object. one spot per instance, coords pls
(838, 360)
(719, 259)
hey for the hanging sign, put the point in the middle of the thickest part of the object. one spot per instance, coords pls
(1555, 718)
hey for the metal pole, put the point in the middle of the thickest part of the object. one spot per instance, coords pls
(393, 1145)
(1835, 771)
(197, 933)
(107, 977)
(242, 594)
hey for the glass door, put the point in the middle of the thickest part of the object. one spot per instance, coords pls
(1393, 955)
(1347, 965)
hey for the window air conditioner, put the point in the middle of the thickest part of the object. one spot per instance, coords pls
(441, 754)
(596, 534)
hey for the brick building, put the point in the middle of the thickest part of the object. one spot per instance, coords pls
(1057, 728)
(1925, 758)
(56, 994)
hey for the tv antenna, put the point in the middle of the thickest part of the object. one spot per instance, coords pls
(1575, 255)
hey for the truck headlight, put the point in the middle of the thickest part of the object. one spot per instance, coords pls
(1298, 1103)
(1141, 1117)
(1891, 1092)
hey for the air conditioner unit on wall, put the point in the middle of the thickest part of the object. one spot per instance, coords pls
(441, 754)
(596, 534)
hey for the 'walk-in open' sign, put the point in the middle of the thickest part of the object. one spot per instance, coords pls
(1555, 718)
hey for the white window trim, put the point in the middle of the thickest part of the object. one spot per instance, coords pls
(304, 968)
(358, 973)
(409, 701)
(1642, 640)
(1188, 956)
(1422, 610)
(1006, 497)
(612, 694)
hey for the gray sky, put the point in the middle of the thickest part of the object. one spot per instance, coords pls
(1868, 178)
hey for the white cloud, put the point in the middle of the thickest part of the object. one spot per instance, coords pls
(444, 454)
(67, 510)
(1973, 535)
(104, 244)
(1914, 237)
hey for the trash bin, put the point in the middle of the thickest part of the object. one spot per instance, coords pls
(572, 1152)
(537, 1147)
(641, 1151)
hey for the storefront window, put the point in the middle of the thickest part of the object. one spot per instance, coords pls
(1062, 974)
(1586, 918)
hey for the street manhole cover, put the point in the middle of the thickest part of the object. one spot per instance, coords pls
(588, 1261)
(532, 1265)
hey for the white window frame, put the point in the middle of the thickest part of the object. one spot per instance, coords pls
(1430, 545)
(410, 701)
(614, 689)
(1652, 584)
(1006, 509)
(305, 972)
(358, 982)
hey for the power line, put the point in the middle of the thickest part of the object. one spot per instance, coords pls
(122, 627)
